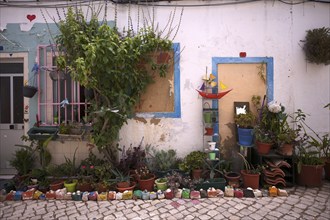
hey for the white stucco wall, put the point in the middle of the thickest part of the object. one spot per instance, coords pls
(262, 28)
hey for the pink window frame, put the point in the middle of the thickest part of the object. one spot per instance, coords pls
(42, 56)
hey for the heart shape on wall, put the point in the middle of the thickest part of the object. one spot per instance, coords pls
(31, 17)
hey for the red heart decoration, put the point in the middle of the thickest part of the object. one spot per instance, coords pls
(31, 17)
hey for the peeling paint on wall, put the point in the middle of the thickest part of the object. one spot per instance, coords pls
(138, 119)
(155, 121)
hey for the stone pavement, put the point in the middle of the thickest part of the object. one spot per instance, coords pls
(302, 203)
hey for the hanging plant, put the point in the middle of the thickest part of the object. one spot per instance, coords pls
(317, 45)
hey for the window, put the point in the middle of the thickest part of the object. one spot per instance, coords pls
(162, 98)
(60, 98)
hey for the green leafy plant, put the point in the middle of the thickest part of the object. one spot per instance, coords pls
(162, 160)
(246, 120)
(109, 62)
(310, 146)
(249, 167)
(194, 160)
(143, 173)
(261, 135)
(23, 160)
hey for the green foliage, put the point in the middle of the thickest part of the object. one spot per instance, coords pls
(262, 135)
(317, 45)
(65, 169)
(23, 160)
(310, 147)
(249, 167)
(245, 120)
(101, 58)
(193, 160)
(162, 160)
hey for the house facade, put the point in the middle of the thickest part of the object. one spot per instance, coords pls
(220, 37)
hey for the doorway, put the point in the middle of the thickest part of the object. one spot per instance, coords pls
(243, 75)
(11, 110)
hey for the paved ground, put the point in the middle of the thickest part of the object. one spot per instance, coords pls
(302, 203)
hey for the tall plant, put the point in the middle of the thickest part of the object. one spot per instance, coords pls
(109, 62)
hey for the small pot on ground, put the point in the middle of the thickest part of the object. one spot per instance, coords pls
(57, 184)
(233, 179)
(310, 175)
(161, 183)
(196, 174)
(250, 179)
(70, 185)
(123, 187)
(148, 183)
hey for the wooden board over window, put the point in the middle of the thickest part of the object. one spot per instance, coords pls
(159, 95)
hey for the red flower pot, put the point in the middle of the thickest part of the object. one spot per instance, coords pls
(147, 184)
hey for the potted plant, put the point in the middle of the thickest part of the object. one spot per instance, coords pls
(145, 178)
(286, 141)
(250, 175)
(161, 183)
(245, 123)
(193, 162)
(264, 140)
(309, 162)
(123, 181)
(162, 161)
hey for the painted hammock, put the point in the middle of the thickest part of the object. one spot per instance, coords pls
(213, 95)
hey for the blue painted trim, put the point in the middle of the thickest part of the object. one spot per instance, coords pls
(269, 69)
(177, 95)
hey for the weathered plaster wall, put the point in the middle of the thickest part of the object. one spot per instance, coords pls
(262, 28)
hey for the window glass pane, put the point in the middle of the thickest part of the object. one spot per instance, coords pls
(18, 99)
(11, 68)
(5, 100)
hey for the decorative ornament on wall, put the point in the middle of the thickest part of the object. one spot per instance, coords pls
(31, 17)
(26, 109)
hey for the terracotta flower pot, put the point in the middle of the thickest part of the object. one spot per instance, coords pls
(286, 149)
(122, 188)
(58, 184)
(147, 184)
(263, 148)
(250, 179)
(85, 187)
(233, 179)
(196, 174)
(310, 175)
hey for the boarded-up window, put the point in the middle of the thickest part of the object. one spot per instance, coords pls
(162, 97)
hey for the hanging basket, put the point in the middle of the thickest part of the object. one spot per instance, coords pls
(29, 91)
(57, 75)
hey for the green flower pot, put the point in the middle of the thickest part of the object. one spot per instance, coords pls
(71, 187)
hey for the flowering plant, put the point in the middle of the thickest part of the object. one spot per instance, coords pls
(86, 170)
(143, 173)
(272, 123)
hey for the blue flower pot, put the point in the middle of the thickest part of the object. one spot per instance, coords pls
(245, 136)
